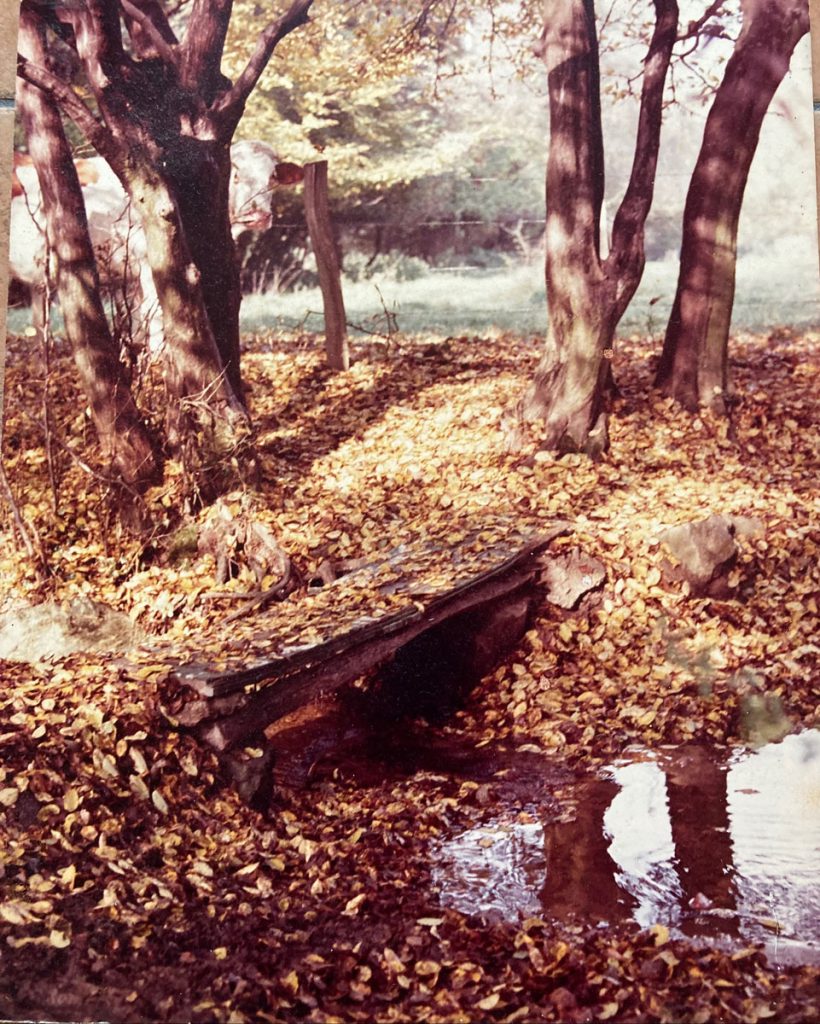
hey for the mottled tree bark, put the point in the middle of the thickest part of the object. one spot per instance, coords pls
(694, 363)
(151, 155)
(201, 185)
(203, 400)
(122, 433)
(587, 295)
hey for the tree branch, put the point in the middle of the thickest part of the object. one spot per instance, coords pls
(29, 536)
(229, 107)
(98, 36)
(62, 93)
(694, 28)
(203, 45)
(149, 30)
(628, 226)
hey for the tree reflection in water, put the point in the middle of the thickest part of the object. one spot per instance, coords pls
(712, 847)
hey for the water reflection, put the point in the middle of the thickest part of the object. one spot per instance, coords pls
(581, 872)
(641, 844)
(502, 864)
(722, 850)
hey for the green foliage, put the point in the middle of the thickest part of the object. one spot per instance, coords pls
(338, 92)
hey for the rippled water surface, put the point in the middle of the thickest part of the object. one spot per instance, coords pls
(719, 849)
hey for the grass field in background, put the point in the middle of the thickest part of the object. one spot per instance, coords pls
(773, 289)
(778, 287)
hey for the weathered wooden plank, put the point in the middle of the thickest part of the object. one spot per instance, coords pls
(414, 588)
(316, 680)
(208, 682)
(217, 683)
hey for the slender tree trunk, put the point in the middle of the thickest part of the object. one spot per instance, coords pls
(694, 363)
(326, 251)
(587, 294)
(567, 389)
(120, 428)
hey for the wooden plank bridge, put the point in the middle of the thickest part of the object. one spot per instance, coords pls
(306, 648)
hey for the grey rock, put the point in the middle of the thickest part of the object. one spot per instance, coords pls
(49, 631)
(706, 552)
(568, 577)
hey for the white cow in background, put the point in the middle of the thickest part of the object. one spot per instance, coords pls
(117, 237)
(255, 172)
(116, 233)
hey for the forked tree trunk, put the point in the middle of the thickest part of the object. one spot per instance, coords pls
(122, 433)
(206, 420)
(694, 363)
(163, 116)
(586, 294)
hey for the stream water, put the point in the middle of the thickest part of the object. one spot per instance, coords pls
(721, 850)
(717, 846)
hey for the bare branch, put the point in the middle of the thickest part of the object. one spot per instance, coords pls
(694, 28)
(709, 85)
(28, 535)
(149, 31)
(203, 44)
(420, 23)
(607, 18)
(230, 106)
(93, 129)
(628, 226)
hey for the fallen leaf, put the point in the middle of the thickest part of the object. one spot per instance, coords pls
(352, 906)
(158, 800)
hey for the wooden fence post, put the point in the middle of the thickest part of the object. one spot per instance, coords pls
(323, 241)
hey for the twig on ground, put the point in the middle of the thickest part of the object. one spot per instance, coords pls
(28, 535)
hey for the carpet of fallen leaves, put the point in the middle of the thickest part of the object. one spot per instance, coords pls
(136, 886)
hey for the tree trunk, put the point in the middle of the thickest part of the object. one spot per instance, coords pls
(586, 294)
(566, 390)
(122, 433)
(320, 228)
(163, 117)
(694, 363)
(205, 416)
(200, 175)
